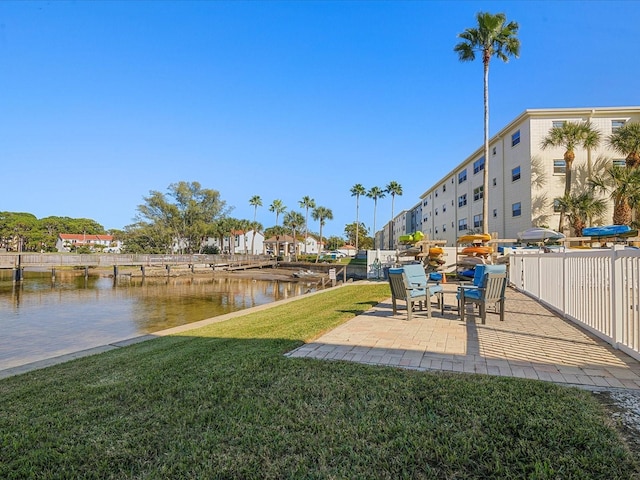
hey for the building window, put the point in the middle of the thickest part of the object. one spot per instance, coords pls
(425, 203)
(436, 231)
(495, 181)
(556, 206)
(558, 123)
(436, 193)
(515, 174)
(478, 165)
(462, 200)
(515, 138)
(559, 167)
(477, 221)
(462, 176)
(478, 193)
(620, 163)
(493, 152)
(436, 211)
(462, 225)
(616, 124)
(495, 212)
(444, 187)
(444, 208)
(444, 228)
(516, 209)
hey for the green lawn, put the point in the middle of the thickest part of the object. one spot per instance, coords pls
(223, 402)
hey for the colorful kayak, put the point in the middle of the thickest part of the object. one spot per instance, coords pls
(474, 238)
(411, 238)
(435, 251)
(538, 234)
(609, 231)
(477, 250)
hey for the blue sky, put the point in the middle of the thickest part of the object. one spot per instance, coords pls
(102, 102)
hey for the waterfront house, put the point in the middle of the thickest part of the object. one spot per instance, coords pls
(68, 242)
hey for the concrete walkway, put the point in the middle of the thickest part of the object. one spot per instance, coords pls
(532, 342)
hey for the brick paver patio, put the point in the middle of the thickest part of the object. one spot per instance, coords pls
(532, 342)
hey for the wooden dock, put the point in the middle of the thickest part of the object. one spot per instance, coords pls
(20, 261)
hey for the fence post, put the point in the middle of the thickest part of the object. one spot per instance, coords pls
(565, 283)
(617, 295)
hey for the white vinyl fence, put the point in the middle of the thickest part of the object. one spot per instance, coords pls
(597, 289)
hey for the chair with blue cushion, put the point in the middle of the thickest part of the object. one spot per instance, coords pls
(491, 291)
(417, 276)
(481, 269)
(410, 284)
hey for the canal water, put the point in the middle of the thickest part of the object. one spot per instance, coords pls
(42, 317)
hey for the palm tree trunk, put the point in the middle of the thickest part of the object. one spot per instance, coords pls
(485, 177)
(357, 220)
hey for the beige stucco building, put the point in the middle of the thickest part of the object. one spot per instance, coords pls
(524, 179)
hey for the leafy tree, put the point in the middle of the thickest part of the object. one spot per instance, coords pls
(493, 36)
(293, 220)
(357, 191)
(570, 136)
(354, 230)
(626, 141)
(307, 203)
(321, 214)
(334, 242)
(393, 189)
(15, 229)
(145, 237)
(375, 193)
(187, 220)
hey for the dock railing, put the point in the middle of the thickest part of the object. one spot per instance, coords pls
(22, 260)
(597, 289)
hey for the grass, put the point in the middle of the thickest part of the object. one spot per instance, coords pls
(223, 402)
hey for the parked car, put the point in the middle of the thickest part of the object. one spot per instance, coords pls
(337, 254)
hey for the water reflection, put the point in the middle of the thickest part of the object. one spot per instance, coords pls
(45, 316)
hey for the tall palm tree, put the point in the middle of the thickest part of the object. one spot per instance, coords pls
(393, 189)
(277, 207)
(580, 208)
(356, 191)
(570, 136)
(375, 193)
(321, 214)
(255, 227)
(623, 185)
(307, 202)
(626, 141)
(493, 36)
(256, 202)
(293, 220)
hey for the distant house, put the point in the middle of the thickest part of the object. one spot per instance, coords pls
(245, 243)
(68, 242)
(348, 250)
(286, 244)
(242, 242)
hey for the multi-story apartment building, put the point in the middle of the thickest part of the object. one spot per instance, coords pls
(524, 179)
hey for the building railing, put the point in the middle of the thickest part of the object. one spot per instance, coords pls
(597, 289)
